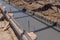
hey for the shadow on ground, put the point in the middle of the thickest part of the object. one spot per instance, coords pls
(47, 28)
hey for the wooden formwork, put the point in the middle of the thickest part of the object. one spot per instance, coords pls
(6, 32)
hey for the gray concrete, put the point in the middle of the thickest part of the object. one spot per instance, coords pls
(42, 31)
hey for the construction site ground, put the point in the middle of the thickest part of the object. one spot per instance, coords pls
(29, 24)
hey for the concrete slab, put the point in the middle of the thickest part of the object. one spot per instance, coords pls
(28, 23)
